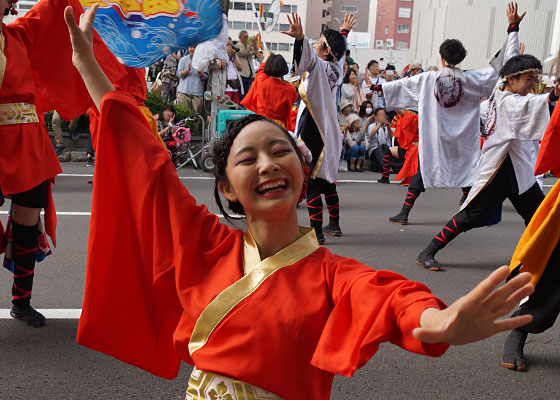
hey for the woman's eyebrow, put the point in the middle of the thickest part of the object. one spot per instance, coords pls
(245, 149)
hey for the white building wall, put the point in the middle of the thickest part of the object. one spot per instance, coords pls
(236, 18)
(481, 25)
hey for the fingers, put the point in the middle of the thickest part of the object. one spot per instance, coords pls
(510, 324)
(522, 16)
(484, 288)
(512, 301)
(497, 298)
(69, 18)
(289, 19)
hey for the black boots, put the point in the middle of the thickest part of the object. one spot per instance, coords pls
(402, 217)
(333, 228)
(24, 312)
(512, 357)
(427, 257)
(24, 257)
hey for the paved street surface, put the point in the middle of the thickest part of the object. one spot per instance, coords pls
(46, 363)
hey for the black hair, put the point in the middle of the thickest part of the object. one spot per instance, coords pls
(452, 51)
(390, 67)
(520, 63)
(276, 66)
(362, 112)
(347, 52)
(167, 107)
(380, 109)
(371, 62)
(220, 154)
(346, 78)
(336, 42)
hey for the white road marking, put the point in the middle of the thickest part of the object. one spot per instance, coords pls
(52, 313)
(87, 213)
(208, 178)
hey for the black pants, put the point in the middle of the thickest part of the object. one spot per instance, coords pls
(32, 198)
(503, 186)
(416, 181)
(315, 188)
(376, 157)
(544, 303)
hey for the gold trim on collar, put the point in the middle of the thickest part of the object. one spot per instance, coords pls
(228, 299)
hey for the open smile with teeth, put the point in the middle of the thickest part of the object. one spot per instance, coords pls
(274, 186)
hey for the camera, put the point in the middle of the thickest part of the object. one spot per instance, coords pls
(235, 48)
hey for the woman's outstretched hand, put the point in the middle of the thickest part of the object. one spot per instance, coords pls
(475, 316)
(349, 22)
(81, 35)
(296, 28)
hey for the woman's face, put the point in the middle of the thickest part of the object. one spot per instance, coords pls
(352, 77)
(346, 110)
(167, 115)
(264, 172)
(369, 109)
(356, 126)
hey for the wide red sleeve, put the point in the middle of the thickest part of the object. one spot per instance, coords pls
(370, 307)
(548, 159)
(407, 130)
(59, 85)
(145, 227)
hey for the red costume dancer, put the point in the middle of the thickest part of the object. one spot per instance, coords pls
(407, 136)
(261, 314)
(269, 95)
(35, 82)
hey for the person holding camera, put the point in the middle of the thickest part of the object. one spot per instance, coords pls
(233, 67)
(246, 52)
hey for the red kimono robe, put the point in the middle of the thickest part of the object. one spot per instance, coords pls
(39, 72)
(166, 281)
(407, 136)
(271, 97)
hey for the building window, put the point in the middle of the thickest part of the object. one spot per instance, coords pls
(238, 25)
(239, 6)
(283, 47)
(294, 8)
(403, 28)
(284, 27)
(231, 5)
(404, 12)
(286, 9)
(386, 30)
(230, 24)
(402, 44)
(349, 9)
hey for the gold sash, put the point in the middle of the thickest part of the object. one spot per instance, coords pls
(18, 113)
(205, 385)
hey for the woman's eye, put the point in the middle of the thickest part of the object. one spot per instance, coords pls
(246, 160)
(282, 151)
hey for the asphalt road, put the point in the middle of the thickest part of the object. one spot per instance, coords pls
(47, 363)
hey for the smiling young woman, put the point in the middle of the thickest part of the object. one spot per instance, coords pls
(266, 310)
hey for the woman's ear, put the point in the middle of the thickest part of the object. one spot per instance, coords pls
(227, 191)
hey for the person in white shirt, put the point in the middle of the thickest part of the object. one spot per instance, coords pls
(372, 77)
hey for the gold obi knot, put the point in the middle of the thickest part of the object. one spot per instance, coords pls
(415, 142)
(205, 385)
(18, 113)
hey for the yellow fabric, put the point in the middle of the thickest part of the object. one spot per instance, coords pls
(205, 385)
(18, 113)
(540, 237)
(2, 59)
(244, 287)
(152, 122)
